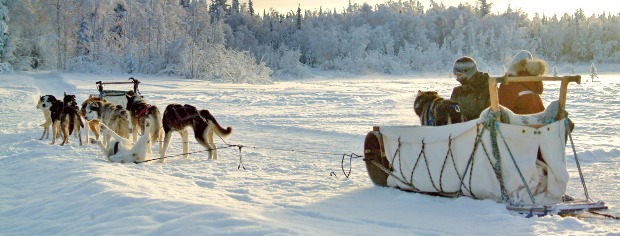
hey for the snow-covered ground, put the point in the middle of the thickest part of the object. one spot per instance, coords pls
(292, 183)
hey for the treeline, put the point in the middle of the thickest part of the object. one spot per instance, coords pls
(229, 41)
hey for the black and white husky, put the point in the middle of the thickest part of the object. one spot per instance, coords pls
(44, 104)
(177, 118)
(122, 150)
(65, 118)
(113, 116)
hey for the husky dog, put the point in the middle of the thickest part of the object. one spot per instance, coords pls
(178, 117)
(90, 125)
(45, 103)
(113, 116)
(121, 149)
(55, 113)
(434, 110)
(69, 120)
(139, 113)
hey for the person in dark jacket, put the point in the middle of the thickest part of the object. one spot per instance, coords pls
(523, 98)
(473, 93)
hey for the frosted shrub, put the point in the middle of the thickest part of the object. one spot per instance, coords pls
(104, 63)
(286, 64)
(217, 63)
(5, 68)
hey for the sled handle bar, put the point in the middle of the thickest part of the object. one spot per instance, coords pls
(133, 81)
(493, 81)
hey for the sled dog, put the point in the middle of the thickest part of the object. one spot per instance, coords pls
(179, 117)
(121, 149)
(69, 120)
(113, 116)
(139, 113)
(90, 125)
(44, 104)
(433, 110)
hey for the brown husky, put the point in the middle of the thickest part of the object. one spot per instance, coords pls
(434, 110)
(139, 113)
(90, 125)
(69, 120)
(178, 117)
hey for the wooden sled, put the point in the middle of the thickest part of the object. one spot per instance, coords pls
(116, 96)
(383, 172)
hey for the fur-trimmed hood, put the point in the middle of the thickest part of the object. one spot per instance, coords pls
(523, 64)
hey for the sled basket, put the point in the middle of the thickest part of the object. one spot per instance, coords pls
(521, 164)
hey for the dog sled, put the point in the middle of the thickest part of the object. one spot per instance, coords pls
(517, 162)
(116, 96)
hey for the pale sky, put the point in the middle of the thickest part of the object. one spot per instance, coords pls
(548, 7)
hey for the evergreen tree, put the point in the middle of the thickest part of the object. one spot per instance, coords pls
(185, 3)
(251, 7)
(235, 6)
(593, 72)
(116, 30)
(83, 40)
(298, 17)
(484, 7)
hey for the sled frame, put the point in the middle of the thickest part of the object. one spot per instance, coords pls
(110, 94)
(565, 80)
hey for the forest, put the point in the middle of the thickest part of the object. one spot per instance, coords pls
(223, 40)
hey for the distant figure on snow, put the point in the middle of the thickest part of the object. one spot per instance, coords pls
(473, 93)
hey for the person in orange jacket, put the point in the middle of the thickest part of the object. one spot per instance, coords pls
(523, 98)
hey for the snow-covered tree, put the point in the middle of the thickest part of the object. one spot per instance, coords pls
(593, 72)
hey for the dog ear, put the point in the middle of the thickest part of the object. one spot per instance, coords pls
(419, 92)
(65, 93)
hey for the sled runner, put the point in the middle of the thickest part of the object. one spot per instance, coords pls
(116, 96)
(518, 160)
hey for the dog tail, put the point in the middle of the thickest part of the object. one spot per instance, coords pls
(212, 121)
(81, 122)
(71, 117)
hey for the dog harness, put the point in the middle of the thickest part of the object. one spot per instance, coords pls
(144, 108)
(430, 118)
(429, 114)
(184, 113)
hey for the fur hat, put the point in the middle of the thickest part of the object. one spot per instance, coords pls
(524, 64)
(464, 68)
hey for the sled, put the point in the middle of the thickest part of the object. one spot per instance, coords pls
(520, 164)
(116, 96)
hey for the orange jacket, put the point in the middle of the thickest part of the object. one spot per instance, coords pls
(522, 98)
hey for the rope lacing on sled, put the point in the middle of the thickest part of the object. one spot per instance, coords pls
(493, 126)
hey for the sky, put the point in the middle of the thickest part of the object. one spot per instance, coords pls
(529, 6)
